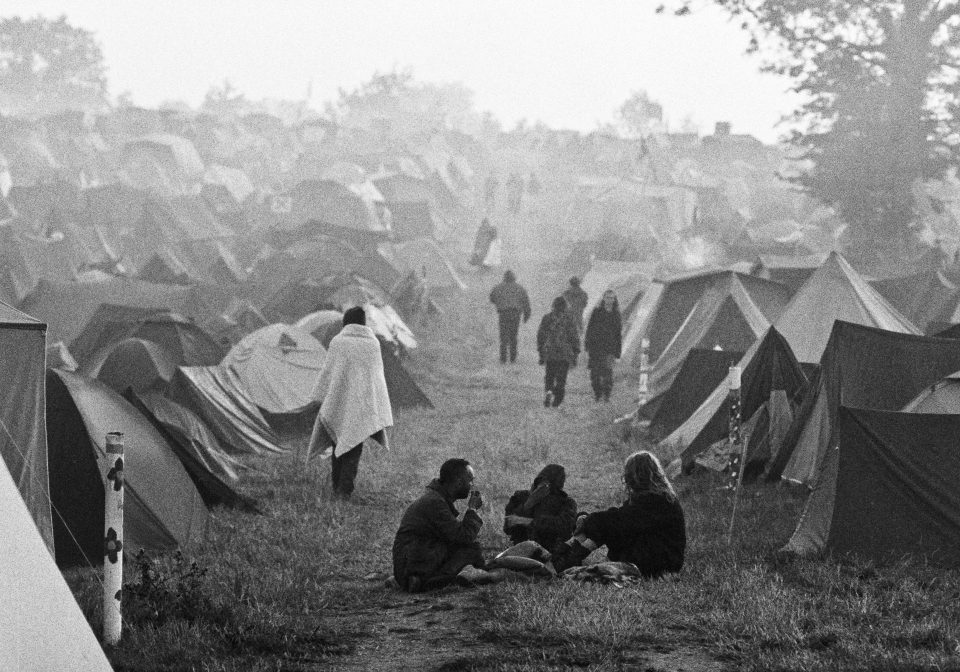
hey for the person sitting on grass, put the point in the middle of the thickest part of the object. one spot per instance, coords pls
(432, 547)
(648, 529)
(544, 513)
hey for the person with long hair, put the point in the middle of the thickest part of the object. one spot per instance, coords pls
(603, 343)
(648, 529)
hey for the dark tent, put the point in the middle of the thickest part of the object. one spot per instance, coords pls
(197, 458)
(924, 297)
(941, 397)
(702, 371)
(217, 396)
(23, 443)
(182, 338)
(131, 363)
(944, 330)
(162, 508)
(863, 367)
(404, 392)
(887, 490)
(770, 375)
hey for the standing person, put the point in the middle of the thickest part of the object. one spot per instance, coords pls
(558, 345)
(512, 303)
(431, 546)
(544, 513)
(603, 343)
(648, 529)
(486, 234)
(576, 300)
(354, 403)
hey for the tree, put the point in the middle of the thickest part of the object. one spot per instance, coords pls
(639, 115)
(880, 83)
(49, 66)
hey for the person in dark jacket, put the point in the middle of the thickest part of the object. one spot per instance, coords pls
(648, 529)
(576, 300)
(558, 344)
(603, 343)
(512, 303)
(431, 546)
(544, 513)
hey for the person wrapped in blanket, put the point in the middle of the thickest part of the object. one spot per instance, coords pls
(544, 513)
(647, 530)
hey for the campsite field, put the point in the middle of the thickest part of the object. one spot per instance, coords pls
(303, 587)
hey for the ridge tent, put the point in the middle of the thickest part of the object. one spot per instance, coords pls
(725, 317)
(834, 292)
(789, 271)
(941, 397)
(924, 297)
(702, 371)
(770, 376)
(279, 366)
(132, 362)
(887, 490)
(162, 508)
(42, 626)
(216, 394)
(23, 441)
(196, 458)
(865, 367)
(403, 390)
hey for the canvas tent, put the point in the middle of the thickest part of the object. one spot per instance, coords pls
(323, 325)
(702, 371)
(887, 490)
(279, 366)
(770, 375)
(424, 257)
(941, 397)
(789, 271)
(42, 626)
(862, 367)
(835, 291)
(162, 507)
(403, 390)
(923, 297)
(725, 317)
(23, 443)
(627, 279)
(216, 394)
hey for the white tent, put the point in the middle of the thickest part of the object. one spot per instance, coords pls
(42, 626)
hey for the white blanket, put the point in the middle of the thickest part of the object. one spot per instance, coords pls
(352, 391)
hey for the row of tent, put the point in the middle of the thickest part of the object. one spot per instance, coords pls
(828, 365)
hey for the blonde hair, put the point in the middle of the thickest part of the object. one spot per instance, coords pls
(643, 474)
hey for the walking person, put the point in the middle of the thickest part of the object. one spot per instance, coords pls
(603, 343)
(354, 402)
(576, 300)
(558, 345)
(512, 303)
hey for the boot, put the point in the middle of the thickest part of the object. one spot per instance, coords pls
(572, 556)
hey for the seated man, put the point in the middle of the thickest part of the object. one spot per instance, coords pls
(545, 513)
(432, 546)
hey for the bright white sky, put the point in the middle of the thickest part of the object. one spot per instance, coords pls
(568, 63)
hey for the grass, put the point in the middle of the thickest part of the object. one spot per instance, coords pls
(302, 587)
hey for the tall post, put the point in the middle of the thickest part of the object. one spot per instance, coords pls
(735, 439)
(643, 389)
(113, 538)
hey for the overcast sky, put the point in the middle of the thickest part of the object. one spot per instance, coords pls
(569, 64)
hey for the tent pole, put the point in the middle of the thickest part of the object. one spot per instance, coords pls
(113, 538)
(643, 389)
(737, 444)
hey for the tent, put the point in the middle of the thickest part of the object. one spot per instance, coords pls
(626, 278)
(725, 317)
(410, 220)
(834, 292)
(864, 367)
(23, 443)
(789, 271)
(923, 297)
(42, 626)
(355, 206)
(208, 470)
(279, 366)
(770, 375)
(941, 397)
(424, 257)
(66, 307)
(403, 390)
(162, 508)
(887, 490)
(59, 357)
(702, 371)
(216, 394)
(323, 325)
(132, 362)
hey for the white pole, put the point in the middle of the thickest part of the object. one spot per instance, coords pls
(735, 438)
(644, 390)
(113, 539)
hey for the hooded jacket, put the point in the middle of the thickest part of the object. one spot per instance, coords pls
(554, 517)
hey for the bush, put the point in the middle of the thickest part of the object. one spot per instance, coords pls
(166, 591)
